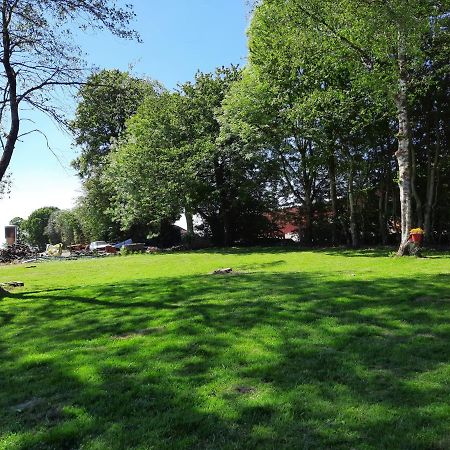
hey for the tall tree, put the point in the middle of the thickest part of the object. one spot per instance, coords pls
(231, 175)
(39, 56)
(175, 156)
(310, 111)
(381, 38)
(64, 226)
(35, 226)
(266, 112)
(430, 108)
(145, 172)
(107, 100)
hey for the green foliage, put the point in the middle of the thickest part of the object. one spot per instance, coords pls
(125, 251)
(35, 226)
(109, 98)
(18, 221)
(145, 173)
(311, 122)
(92, 212)
(64, 226)
(173, 156)
(106, 101)
(232, 177)
(321, 87)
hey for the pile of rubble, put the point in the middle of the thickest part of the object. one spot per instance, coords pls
(22, 253)
(16, 252)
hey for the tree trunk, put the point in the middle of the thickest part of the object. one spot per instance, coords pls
(13, 101)
(307, 181)
(402, 153)
(189, 221)
(333, 197)
(307, 232)
(433, 165)
(418, 201)
(382, 215)
(394, 209)
(227, 229)
(351, 201)
(224, 204)
(308, 224)
(189, 225)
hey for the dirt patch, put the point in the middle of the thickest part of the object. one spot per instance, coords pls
(244, 389)
(38, 411)
(429, 299)
(424, 299)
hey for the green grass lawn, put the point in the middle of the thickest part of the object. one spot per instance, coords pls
(299, 350)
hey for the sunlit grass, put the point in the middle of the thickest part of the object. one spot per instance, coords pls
(302, 350)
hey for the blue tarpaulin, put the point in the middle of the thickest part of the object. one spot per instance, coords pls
(119, 245)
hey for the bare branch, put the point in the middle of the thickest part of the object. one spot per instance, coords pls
(38, 55)
(48, 146)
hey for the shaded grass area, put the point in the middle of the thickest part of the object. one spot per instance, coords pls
(352, 356)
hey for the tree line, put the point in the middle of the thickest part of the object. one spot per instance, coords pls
(340, 118)
(50, 225)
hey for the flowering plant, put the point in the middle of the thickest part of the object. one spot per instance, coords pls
(416, 231)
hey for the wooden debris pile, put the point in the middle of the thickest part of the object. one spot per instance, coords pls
(16, 252)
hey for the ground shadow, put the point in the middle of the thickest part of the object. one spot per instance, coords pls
(265, 360)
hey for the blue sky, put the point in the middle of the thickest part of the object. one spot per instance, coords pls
(179, 38)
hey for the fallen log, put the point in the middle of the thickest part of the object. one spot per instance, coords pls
(13, 283)
(223, 271)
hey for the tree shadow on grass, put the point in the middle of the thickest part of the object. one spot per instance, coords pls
(373, 252)
(263, 360)
(379, 252)
(278, 249)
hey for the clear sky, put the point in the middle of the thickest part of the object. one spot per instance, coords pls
(179, 38)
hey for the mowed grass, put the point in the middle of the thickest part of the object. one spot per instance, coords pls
(299, 350)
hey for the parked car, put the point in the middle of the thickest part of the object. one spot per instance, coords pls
(98, 245)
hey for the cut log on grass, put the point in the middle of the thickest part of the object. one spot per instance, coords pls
(223, 271)
(13, 284)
